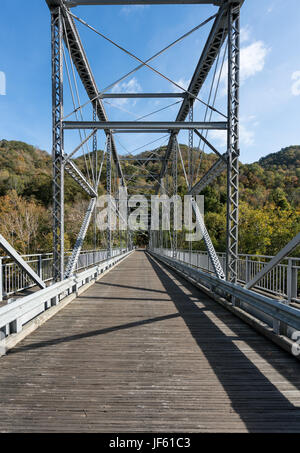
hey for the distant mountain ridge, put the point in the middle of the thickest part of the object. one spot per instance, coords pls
(28, 170)
(287, 158)
(269, 198)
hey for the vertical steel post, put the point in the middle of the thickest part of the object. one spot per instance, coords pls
(40, 266)
(108, 182)
(95, 164)
(175, 188)
(233, 141)
(1, 280)
(190, 165)
(191, 149)
(58, 143)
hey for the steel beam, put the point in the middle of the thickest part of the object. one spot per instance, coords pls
(5, 245)
(208, 244)
(210, 145)
(141, 95)
(108, 185)
(139, 131)
(138, 125)
(175, 190)
(218, 167)
(57, 143)
(233, 18)
(73, 3)
(141, 158)
(79, 177)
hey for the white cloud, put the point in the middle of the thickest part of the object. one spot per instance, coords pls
(296, 84)
(184, 83)
(246, 136)
(219, 136)
(132, 86)
(126, 10)
(253, 59)
(2, 84)
(245, 33)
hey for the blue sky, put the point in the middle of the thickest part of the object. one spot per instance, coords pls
(270, 91)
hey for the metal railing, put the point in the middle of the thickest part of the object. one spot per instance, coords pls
(282, 281)
(282, 318)
(13, 279)
(15, 315)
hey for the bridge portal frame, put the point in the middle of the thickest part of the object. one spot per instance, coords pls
(226, 24)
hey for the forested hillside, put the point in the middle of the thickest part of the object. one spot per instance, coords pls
(269, 198)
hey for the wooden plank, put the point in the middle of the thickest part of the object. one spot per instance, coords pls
(143, 350)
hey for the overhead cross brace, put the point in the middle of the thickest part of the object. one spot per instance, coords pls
(73, 3)
(141, 95)
(138, 125)
(5, 245)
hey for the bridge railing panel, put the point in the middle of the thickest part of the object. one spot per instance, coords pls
(15, 280)
(282, 281)
(278, 319)
(15, 315)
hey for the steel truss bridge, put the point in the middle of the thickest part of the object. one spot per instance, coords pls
(166, 339)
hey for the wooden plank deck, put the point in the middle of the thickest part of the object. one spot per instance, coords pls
(144, 351)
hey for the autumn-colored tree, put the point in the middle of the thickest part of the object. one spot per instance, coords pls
(23, 222)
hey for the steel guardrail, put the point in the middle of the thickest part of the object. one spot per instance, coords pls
(277, 310)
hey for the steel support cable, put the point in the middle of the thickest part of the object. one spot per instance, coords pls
(120, 108)
(73, 100)
(175, 190)
(73, 97)
(81, 115)
(214, 100)
(153, 152)
(95, 145)
(134, 174)
(216, 89)
(72, 92)
(150, 143)
(206, 110)
(100, 169)
(182, 164)
(148, 170)
(212, 83)
(159, 110)
(148, 114)
(190, 149)
(143, 63)
(78, 100)
(121, 144)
